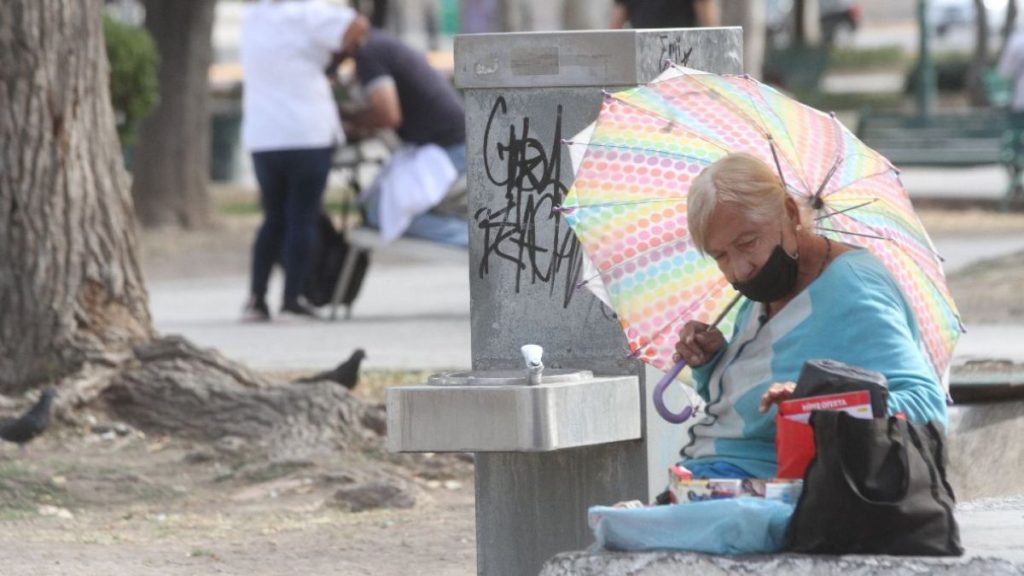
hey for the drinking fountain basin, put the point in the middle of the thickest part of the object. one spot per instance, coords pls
(512, 411)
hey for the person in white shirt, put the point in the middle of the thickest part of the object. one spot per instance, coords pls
(290, 125)
(1011, 67)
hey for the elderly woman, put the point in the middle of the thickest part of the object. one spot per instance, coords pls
(807, 297)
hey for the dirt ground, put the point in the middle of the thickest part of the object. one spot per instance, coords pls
(106, 499)
(133, 505)
(988, 291)
(102, 498)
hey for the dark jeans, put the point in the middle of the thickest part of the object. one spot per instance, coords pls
(291, 189)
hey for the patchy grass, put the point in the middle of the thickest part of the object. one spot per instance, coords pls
(272, 471)
(248, 207)
(373, 384)
(23, 490)
(868, 59)
(203, 553)
(854, 100)
(239, 200)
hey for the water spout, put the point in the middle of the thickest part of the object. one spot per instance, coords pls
(532, 354)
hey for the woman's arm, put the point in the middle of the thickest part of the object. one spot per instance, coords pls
(382, 109)
(871, 326)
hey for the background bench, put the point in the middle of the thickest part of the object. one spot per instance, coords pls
(950, 140)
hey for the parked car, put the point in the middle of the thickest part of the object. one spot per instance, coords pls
(947, 15)
(839, 20)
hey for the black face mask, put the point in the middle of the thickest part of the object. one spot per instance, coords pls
(775, 279)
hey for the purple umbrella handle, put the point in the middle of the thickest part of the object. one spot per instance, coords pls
(659, 392)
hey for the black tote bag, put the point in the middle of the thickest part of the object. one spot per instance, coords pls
(331, 252)
(875, 486)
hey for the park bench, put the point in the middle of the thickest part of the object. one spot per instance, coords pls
(950, 139)
(356, 163)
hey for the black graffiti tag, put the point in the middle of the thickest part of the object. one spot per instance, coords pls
(672, 51)
(530, 175)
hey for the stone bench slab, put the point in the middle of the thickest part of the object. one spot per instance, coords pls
(677, 563)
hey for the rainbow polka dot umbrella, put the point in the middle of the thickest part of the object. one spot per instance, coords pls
(627, 204)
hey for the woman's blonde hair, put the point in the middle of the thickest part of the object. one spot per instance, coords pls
(738, 178)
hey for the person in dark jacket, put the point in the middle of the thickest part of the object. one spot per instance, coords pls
(404, 93)
(664, 13)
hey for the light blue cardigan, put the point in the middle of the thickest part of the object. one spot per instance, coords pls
(854, 313)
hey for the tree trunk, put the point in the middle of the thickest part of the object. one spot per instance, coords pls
(172, 159)
(807, 25)
(1009, 25)
(73, 307)
(749, 15)
(585, 14)
(175, 388)
(71, 289)
(510, 15)
(975, 84)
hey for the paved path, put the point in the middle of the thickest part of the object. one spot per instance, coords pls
(413, 312)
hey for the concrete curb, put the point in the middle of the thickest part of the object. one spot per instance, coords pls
(669, 563)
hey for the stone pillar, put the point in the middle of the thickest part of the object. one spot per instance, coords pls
(524, 93)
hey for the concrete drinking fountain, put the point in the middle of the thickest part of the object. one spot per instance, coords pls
(560, 425)
(525, 410)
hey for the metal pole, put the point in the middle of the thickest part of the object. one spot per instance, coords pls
(926, 85)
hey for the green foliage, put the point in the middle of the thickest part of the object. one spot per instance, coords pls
(133, 75)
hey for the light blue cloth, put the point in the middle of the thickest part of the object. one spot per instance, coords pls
(854, 313)
(708, 469)
(729, 526)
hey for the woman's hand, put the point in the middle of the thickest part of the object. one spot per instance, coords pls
(698, 343)
(776, 393)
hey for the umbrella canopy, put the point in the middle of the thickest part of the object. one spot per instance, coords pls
(627, 204)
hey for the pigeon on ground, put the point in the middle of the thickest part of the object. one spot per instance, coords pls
(346, 373)
(30, 424)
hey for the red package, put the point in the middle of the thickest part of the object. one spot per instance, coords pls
(794, 447)
(854, 403)
(794, 437)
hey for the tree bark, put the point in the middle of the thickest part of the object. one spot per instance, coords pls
(173, 387)
(749, 15)
(511, 15)
(71, 289)
(1009, 25)
(172, 159)
(807, 26)
(585, 14)
(73, 306)
(975, 85)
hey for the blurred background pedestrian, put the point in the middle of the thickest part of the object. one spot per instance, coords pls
(1011, 66)
(290, 125)
(664, 13)
(404, 93)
